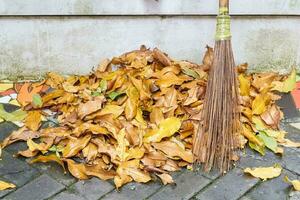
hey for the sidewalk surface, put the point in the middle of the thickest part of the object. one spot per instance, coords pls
(47, 181)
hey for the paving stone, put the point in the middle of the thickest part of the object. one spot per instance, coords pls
(294, 195)
(55, 171)
(250, 158)
(91, 189)
(66, 195)
(6, 128)
(288, 107)
(229, 187)
(291, 160)
(40, 188)
(133, 191)
(16, 171)
(187, 185)
(275, 189)
(137, 191)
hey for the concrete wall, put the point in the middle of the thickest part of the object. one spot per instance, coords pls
(72, 36)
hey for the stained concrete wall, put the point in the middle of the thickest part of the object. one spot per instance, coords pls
(72, 36)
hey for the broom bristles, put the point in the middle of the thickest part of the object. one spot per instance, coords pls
(216, 139)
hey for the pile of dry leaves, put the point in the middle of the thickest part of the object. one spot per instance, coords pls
(133, 117)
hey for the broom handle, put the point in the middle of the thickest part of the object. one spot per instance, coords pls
(223, 4)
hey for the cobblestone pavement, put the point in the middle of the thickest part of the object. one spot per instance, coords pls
(47, 181)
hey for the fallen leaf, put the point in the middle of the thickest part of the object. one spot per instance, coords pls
(166, 128)
(5, 185)
(259, 103)
(173, 150)
(75, 145)
(78, 170)
(25, 94)
(244, 85)
(17, 115)
(90, 106)
(49, 158)
(295, 183)
(265, 173)
(272, 116)
(33, 120)
(288, 84)
(166, 178)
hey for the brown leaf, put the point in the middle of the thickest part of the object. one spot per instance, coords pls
(272, 116)
(161, 57)
(90, 152)
(209, 56)
(77, 169)
(33, 120)
(171, 149)
(20, 134)
(90, 106)
(75, 145)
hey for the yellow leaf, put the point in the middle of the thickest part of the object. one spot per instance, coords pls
(166, 128)
(244, 85)
(122, 145)
(295, 183)
(288, 84)
(33, 120)
(131, 103)
(111, 109)
(265, 173)
(289, 143)
(166, 178)
(78, 170)
(260, 103)
(249, 134)
(5, 86)
(48, 158)
(5, 185)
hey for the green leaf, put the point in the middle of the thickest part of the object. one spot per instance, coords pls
(17, 115)
(114, 95)
(37, 100)
(190, 72)
(259, 149)
(269, 142)
(95, 93)
(103, 85)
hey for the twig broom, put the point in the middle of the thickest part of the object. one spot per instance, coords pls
(216, 140)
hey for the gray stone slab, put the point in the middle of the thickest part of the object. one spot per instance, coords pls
(291, 160)
(229, 187)
(40, 188)
(294, 195)
(91, 189)
(250, 158)
(275, 189)
(55, 171)
(133, 191)
(66, 195)
(6, 128)
(288, 107)
(187, 185)
(137, 191)
(17, 171)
